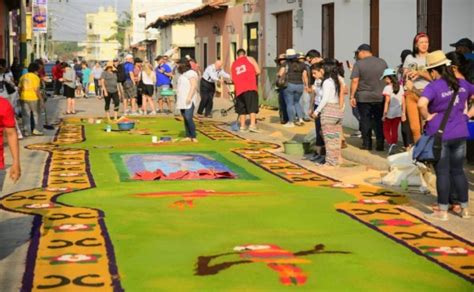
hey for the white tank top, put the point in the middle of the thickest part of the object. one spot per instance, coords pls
(148, 79)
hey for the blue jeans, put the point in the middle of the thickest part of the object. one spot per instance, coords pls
(305, 104)
(282, 107)
(450, 173)
(292, 95)
(3, 174)
(189, 125)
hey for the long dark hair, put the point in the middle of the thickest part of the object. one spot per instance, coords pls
(331, 71)
(447, 74)
(418, 36)
(184, 66)
(458, 60)
(395, 83)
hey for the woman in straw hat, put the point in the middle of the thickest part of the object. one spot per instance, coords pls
(108, 83)
(433, 104)
(297, 79)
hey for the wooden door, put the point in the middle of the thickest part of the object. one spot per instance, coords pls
(374, 26)
(327, 32)
(429, 19)
(284, 31)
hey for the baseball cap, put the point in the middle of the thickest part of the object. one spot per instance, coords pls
(364, 47)
(464, 42)
(388, 72)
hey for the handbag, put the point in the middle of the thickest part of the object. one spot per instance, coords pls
(10, 88)
(428, 148)
(282, 81)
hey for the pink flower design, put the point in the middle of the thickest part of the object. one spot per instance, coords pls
(393, 222)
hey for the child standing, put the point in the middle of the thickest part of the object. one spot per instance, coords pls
(329, 109)
(394, 109)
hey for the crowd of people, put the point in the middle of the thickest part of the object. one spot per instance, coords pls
(411, 97)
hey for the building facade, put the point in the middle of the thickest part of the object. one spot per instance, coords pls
(9, 25)
(100, 28)
(221, 28)
(336, 28)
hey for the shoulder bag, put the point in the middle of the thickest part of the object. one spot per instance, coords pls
(10, 88)
(428, 148)
(282, 81)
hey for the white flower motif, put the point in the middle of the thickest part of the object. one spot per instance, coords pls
(451, 250)
(56, 189)
(374, 201)
(295, 172)
(251, 247)
(343, 185)
(74, 258)
(73, 227)
(272, 161)
(39, 206)
(69, 174)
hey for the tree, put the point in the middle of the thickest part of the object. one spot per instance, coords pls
(67, 50)
(121, 25)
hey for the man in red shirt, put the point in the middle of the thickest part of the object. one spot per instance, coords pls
(7, 122)
(244, 74)
(57, 73)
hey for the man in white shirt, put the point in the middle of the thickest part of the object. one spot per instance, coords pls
(213, 73)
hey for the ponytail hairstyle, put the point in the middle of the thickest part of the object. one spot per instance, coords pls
(458, 60)
(395, 83)
(340, 68)
(447, 74)
(331, 71)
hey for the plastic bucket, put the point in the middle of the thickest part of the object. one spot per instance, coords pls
(296, 148)
(125, 126)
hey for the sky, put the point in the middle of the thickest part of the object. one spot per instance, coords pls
(69, 16)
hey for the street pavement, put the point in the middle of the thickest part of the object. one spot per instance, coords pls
(361, 167)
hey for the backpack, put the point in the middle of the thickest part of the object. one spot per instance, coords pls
(121, 76)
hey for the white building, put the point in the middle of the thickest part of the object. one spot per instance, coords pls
(145, 12)
(336, 28)
(100, 27)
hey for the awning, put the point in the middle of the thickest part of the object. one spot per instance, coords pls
(191, 14)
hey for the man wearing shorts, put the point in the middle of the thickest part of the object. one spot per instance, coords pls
(163, 81)
(129, 86)
(7, 123)
(244, 74)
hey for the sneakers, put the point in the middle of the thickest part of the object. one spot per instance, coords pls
(356, 134)
(391, 149)
(438, 215)
(37, 133)
(243, 130)
(299, 123)
(254, 130)
(134, 114)
(289, 125)
(465, 213)
(153, 113)
(140, 112)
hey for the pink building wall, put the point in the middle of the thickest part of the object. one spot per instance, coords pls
(232, 25)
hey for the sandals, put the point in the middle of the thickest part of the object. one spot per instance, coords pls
(453, 208)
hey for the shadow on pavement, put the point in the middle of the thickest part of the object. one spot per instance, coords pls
(14, 233)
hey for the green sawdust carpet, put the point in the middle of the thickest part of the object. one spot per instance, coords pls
(257, 232)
